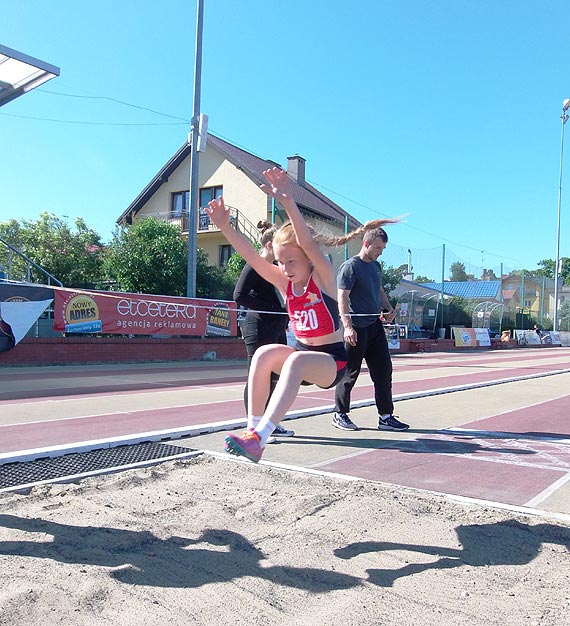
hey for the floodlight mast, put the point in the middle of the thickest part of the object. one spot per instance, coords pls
(564, 118)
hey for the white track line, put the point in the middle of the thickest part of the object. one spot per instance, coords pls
(522, 510)
(200, 429)
(543, 495)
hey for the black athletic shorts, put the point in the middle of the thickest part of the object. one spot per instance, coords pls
(336, 350)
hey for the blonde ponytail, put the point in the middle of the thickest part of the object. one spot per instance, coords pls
(372, 226)
(286, 233)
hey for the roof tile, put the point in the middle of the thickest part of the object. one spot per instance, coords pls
(469, 288)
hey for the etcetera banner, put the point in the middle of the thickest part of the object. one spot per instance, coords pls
(138, 314)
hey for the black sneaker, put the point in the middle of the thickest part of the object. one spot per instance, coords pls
(282, 432)
(342, 421)
(391, 423)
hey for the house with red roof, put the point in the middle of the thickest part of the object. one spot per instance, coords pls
(225, 169)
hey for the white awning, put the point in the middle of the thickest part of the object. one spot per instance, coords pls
(19, 73)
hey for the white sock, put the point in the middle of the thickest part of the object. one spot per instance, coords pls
(253, 421)
(264, 430)
(385, 415)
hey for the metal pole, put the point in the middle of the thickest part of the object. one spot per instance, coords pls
(442, 279)
(522, 300)
(194, 190)
(501, 300)
(541, 316)
(564, 118)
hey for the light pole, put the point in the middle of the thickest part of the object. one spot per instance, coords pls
(194, 133)
(564, 118)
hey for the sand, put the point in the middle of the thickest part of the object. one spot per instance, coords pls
(212, 541)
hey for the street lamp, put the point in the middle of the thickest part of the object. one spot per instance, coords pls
(564, 118)
(20, 73)
(194, 137)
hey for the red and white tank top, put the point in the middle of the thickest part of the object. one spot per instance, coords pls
(313, 313)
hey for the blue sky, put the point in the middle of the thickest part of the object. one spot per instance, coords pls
(447, 111)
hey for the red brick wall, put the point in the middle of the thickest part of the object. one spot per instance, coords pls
(435, 345)
(68, 350)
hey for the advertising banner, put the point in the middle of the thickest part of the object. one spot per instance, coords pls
(527, 337)
(20, 307)
(532, 338)
(392, 336)
(464, 337)
(138, 314)
(483, 337)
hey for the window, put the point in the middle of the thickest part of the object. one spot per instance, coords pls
(225, 252)
(180, 203)
(207, 194)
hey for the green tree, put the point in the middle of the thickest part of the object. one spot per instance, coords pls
(73, 255)
(148, 257)
(530, 273)
(547, 269)
(215, 282)
(423, 279)
(235, 265)
(202, 275)
(458, 312)
(151, 256)
(227, 278)
(391, 277)
(565, 316)
(458, 273)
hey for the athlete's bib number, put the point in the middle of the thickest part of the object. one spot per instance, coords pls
(306, 320)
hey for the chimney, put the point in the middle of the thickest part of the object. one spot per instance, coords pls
(296, 168)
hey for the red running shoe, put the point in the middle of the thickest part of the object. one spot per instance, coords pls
(248, 445)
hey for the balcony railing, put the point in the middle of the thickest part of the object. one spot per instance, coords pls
(205, 224)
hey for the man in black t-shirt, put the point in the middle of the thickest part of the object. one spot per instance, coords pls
(360, 292)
